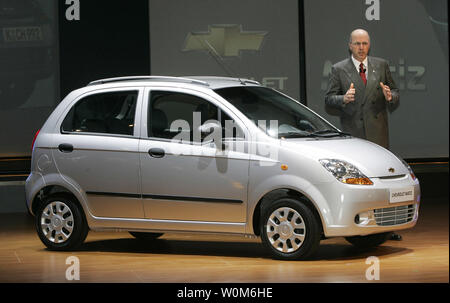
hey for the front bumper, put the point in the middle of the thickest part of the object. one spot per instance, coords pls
(371, 205)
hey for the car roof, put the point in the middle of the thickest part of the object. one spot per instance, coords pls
(211, 82)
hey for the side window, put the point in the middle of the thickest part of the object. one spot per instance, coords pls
(110, 113)
(171, 113)
(169, 107)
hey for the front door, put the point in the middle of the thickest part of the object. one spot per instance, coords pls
(190, 179)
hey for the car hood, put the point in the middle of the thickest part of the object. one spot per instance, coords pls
(371, 159)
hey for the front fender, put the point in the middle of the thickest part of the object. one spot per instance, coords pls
(292, 182)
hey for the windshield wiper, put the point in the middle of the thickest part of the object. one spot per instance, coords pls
(297, 135)
(332, 133)
(321, 133)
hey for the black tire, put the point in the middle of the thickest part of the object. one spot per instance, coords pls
(370, 241)
(70, 216)
(145, 236)
(310, 234)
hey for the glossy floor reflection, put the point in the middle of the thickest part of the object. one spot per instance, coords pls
(422, 256)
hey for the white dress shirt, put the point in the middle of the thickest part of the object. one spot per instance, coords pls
(357, 63)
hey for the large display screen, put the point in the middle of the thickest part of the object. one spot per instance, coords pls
(29, 80)
(255, 39)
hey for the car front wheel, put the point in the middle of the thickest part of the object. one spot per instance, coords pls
(289, 229)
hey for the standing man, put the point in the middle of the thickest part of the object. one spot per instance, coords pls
(362, 89)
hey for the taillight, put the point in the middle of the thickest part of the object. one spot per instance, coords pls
(34, 140)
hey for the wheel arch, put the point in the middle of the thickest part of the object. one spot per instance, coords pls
(282, 193)
(37, 189)
(51, 190)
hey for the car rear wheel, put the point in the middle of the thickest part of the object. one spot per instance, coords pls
(289, 229)
(60, 223)
(145, 236)
(370, 241)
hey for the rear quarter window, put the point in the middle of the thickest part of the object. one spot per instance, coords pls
(106, 113)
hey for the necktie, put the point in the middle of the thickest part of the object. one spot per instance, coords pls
(362, 73)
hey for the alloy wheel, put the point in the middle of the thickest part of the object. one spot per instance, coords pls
(286, 230)
(57, 222)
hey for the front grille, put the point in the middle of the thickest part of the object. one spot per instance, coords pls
(394, 215)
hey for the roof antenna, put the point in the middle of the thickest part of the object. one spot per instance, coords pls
(216, 56)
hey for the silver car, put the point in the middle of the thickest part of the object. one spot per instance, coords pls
(152, 155)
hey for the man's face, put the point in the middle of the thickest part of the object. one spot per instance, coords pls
(360, 45)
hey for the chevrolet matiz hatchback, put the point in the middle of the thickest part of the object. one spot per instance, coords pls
(153, 155)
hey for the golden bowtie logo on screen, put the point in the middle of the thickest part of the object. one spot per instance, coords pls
(225, 40)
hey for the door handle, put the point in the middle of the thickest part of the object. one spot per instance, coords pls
(157, 152)
(65, 147)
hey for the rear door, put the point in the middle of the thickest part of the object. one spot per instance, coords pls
(97, 148)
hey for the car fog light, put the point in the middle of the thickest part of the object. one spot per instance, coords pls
(363, 218)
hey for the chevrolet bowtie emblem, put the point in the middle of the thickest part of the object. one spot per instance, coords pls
(226, 40)
(391, 170)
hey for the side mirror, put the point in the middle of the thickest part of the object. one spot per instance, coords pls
(305, 125)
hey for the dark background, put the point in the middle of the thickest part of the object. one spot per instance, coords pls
(111, 39)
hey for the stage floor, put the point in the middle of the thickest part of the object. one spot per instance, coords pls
(422, 256)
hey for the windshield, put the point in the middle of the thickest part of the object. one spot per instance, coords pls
(276, 114)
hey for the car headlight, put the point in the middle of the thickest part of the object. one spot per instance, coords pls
(413, 176)
(345, 172)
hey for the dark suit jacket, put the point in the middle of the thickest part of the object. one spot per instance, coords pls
(367, 117)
